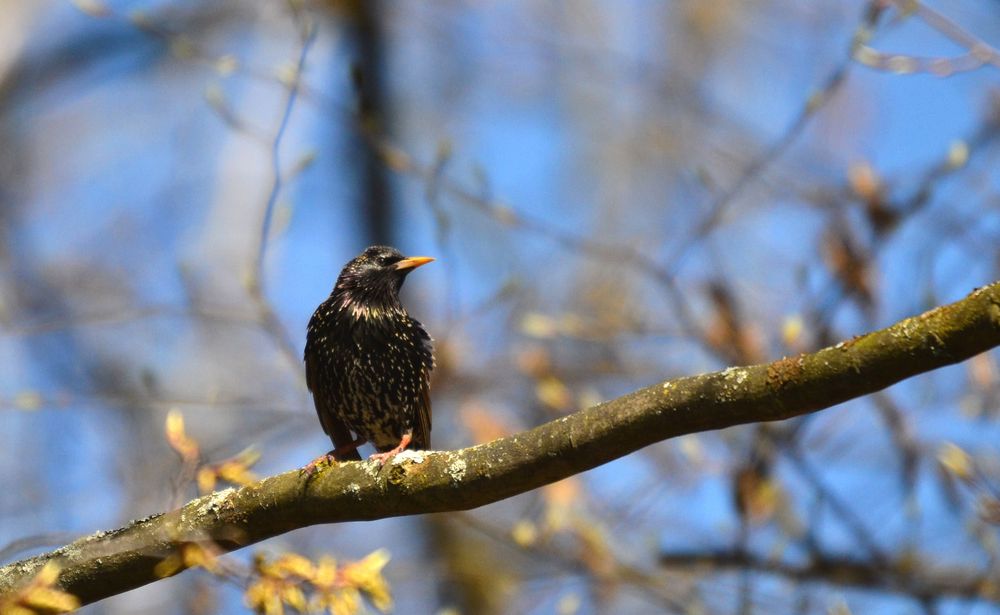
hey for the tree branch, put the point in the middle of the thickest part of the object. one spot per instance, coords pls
(915, 579)
(108, 563)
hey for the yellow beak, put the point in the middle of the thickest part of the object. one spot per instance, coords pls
(413, 262)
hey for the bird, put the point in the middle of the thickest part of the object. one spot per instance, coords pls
(368, 362)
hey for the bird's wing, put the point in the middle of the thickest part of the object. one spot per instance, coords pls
(422, 426)
(332, 424)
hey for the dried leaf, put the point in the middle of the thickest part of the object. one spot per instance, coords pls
(569, 605)
(264, 596)
(395, 158)
(294, 565)
(865, 181)
(206, 479)
(538, 325)
(226, 65)
(366, 575)
(850, 263)
(956, 461)
(595, 551)
(346, 601)
(566, 492)
(196, 555)
(94, 8)
(534, 361)
(989, 509)
(40, 595)
(236, 470)
(524, 533)
(178, 440)
(692, 449)
(791, 329)
(757, 496)
(958, 154)
(482, 422)
(288, 75)
(561, 498)
(293, 596)
(554, 393)
(28, 400)
(983, 371)
(183, 48)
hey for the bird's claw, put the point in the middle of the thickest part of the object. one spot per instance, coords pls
(317, 464)
(383, 458)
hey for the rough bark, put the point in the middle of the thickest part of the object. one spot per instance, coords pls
(108, 563)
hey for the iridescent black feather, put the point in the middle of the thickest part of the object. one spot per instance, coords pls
(368, 364)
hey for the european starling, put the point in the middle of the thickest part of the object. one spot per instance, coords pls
(368, 364)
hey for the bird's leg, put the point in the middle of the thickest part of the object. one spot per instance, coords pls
(334, 455)
(338, 453)
(386, 456)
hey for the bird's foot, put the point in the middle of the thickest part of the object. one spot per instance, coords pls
(316, 464)
(384, 458)
(342, 453)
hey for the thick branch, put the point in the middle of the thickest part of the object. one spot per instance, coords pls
(109, 563)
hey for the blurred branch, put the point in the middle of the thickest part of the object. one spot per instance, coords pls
(308, 34)
(364, 33)
(28, 543)
(127, 315)
(978, 52)
(663, 274)
(753, 171)
(850, 520)
(905, 577)
(650, 585)
(269, 320)
(480, 200)
(107, 563)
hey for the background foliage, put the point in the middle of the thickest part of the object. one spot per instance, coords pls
(616, 193)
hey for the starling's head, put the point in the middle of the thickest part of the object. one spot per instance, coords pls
(371, 281)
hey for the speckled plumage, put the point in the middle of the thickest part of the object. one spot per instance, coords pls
(368, 363)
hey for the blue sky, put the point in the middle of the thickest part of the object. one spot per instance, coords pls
(133, 211)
